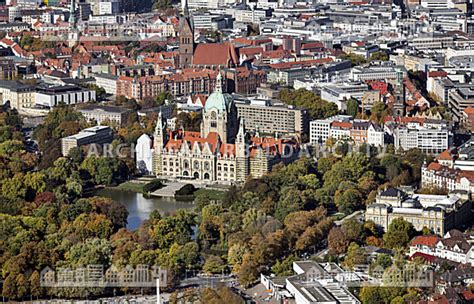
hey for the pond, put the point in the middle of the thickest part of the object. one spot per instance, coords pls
(140, 207)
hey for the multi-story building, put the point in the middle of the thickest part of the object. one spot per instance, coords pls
(109, 7)
(340, 93)
(19, 94)
(222, 152)
(101, 114)
(244, 81)
(188, 82)
(431, 42)
(107, 81)
(439, 213)
(454, 246)
(345, 128)
(312, 283)
(272, 116)
(8, 70)
(49, 96)
(460, 99)
(429, 135)
(366, 73)
(93, 135)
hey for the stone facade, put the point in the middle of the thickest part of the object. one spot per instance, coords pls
(222, 152)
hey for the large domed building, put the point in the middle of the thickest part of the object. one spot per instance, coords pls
(223, 152)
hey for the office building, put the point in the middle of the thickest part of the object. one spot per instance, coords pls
(94, 135)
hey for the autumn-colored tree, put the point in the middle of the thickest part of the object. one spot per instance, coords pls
(337, 241)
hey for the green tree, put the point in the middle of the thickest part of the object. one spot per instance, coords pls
(213, 264)
(352, 107)
(355, 256)
(399, 233)
(380, 55)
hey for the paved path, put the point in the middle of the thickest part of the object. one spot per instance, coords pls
(169, 190)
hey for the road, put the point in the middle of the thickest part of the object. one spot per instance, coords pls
(212, 281)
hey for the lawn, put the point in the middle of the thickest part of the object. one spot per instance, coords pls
(213, 194)
(131, 186)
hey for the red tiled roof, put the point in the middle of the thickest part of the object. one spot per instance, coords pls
(468, 295)
(435, 166)
(426, 240)
(445, 155)
(249, 51)
(312, 45)
(437, 74)
(424, 256)
(342, 124)
(469, 110)
(215, 54)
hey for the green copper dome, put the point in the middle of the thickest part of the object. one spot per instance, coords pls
(219, 100)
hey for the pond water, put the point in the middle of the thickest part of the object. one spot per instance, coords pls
(140, 207)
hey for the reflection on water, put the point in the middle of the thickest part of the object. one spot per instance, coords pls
(139, 207)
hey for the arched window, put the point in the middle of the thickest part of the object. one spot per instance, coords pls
(207, 166)
(196, 165)
(186, 164)
(226, 168)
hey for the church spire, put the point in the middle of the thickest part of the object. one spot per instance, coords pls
(218, 83)
(72, 14)
(185, 9)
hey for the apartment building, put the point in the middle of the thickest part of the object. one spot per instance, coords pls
(454, 246)
(19, 95)
(429, 135)
(344, 127)
(93, 135)
(460, 99)
(107, 81)
(272, 116)
(439, 213)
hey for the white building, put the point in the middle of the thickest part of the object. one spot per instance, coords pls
(455, 246)
(52, 95)
(313, 283)
(109, 7)
(342, 127)
(430, 136)
(144, 154)
(366, 73)
(107, 81)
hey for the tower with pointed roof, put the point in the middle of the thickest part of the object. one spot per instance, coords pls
(186, 38)
(73, 35)
(242, 152)
(72, 14)
(220, 114)
(159, 140)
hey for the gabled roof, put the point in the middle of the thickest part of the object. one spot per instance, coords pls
(445, 155)
(426, 240)
(215, 54)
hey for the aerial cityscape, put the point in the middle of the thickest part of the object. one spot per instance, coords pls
(237, 151)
